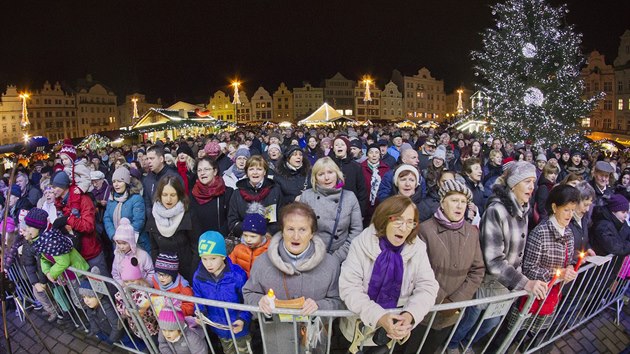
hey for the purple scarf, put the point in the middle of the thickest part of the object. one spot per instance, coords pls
(444, 221)
(387, 275)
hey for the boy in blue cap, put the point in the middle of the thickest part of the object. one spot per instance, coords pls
(217, 278)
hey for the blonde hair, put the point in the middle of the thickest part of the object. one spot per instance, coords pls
(321, 164)
(494, 153)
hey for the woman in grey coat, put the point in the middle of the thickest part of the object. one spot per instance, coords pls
(296, 264)
(334, 206)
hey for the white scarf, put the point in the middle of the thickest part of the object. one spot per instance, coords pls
(167, 220)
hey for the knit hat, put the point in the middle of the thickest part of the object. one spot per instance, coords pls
(96, 175)
(345, 141)
(274, 146)
(440, 153)
(125, 232)
(576, 152)
(85, 288)
(37, 218)
(255, 219)
(212, 149)
(61, 180)
(16, 190)
(452, 185)
(212, 243)
(184, 148)
(541, 157)
(276, 135)
(405, 167)
(290, 150)
(383, 142)
(130, 269)
(136, 173)
(604, 166)
(506, 163)
(617, 202)
(69, 150)
(519, 171)
(328, 140)
(373, 146)
(242, 152)
(356, 143)
(167, 263)
(10, 225)
(122, 174)
(170, 320)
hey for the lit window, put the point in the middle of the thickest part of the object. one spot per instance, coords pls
(620, 104)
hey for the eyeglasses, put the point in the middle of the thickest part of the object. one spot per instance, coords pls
(398, 223)
(207, 169)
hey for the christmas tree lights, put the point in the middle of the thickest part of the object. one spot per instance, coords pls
(530, 65)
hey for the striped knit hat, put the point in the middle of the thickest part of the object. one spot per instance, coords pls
(167, 263)
(453, 186)
(170, 320)
(37, 218)
(69, 150)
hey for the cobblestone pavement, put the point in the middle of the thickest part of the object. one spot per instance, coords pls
(601, 335)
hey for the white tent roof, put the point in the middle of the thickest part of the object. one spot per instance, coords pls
(324, 114)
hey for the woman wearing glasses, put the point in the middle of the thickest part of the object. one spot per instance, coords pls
(210, 197)
(387, 268)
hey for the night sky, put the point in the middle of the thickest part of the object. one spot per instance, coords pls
(186, 50)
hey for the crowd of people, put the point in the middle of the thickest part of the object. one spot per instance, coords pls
(367, 219)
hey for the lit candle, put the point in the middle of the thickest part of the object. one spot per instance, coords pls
(580, 260)
(555, 277)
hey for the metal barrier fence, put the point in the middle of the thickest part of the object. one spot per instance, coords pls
(596, 288)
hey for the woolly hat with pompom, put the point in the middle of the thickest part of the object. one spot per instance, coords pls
(69, 150)
(255, 219)
(125, 232)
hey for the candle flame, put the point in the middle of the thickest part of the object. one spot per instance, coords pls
(582, 254)
(270, 293)
(558, 272)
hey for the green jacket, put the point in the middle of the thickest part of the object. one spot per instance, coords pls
(62, 262)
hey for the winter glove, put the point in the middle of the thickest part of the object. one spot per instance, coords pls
(75, 212)
(60, 223)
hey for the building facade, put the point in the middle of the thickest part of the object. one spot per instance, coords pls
(244, 111)
(339, 93)
(599, 77)
(10, 116)
(367, 110)
(221, 107)
(126, 113)
(53, 113)
(283, 104)
(261, 105)
(96, 107)
(391, 102)
(424, 97)
(622, 84)
(306, 100)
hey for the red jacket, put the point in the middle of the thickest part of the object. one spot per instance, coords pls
(188, 308)
(84, 225)
(244, 256)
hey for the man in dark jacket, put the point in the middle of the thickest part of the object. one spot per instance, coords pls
(28, 191)
(426, 151)
(157, 169)
(351, 170)
(387, 159)
(601, 182)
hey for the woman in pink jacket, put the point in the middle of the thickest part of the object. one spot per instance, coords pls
(387, 268)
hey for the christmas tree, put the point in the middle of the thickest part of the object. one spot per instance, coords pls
(530, 66)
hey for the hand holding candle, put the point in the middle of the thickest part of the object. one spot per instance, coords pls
(580, 260)
(555, 277)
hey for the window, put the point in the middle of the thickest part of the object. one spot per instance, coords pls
(608, 105)
(607, 86)
(620, 104)
(620, 85)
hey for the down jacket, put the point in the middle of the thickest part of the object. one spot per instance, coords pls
(419, 287)
(609, 235)
(350, 222)
(84, 224)
(132, 209)
(244, 256)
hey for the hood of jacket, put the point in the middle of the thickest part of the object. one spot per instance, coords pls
(273, 252)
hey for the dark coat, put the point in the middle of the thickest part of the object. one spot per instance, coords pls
(389, 160)
(580, 236)
(353, 180)
(291, 183)
(31, 261)
(238, 204)
(224, 163)
(478, 192)
(183, 242)
(104, 321)
(429, 205)
(213, 214)
(609, 235)
(490, 175)
(601, 196)
(542, 194)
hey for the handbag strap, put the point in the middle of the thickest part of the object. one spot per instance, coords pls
(334, 232)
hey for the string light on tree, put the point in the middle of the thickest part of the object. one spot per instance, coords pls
(533, 96)
(24, 122)
(529, 50)
(368, 95)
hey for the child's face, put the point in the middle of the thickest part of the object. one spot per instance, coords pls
(123, 246)
(65, 160)
(90, 301)
(171, 335)
(164, 278)
(30, 233)
(251, 239)
(213, 264)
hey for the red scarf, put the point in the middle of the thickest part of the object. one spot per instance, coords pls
(262, 194)
(204, 193)
(182, 169)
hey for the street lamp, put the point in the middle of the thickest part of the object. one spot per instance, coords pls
(24, 122)
(237, 99)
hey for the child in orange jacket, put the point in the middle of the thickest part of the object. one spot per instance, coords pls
(168, 279)
(255, 240)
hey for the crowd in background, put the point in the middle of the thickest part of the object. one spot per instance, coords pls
(363, 218)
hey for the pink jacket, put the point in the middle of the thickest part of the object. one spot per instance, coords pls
(144, 260)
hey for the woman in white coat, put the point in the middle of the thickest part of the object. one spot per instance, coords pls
(387, 268)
